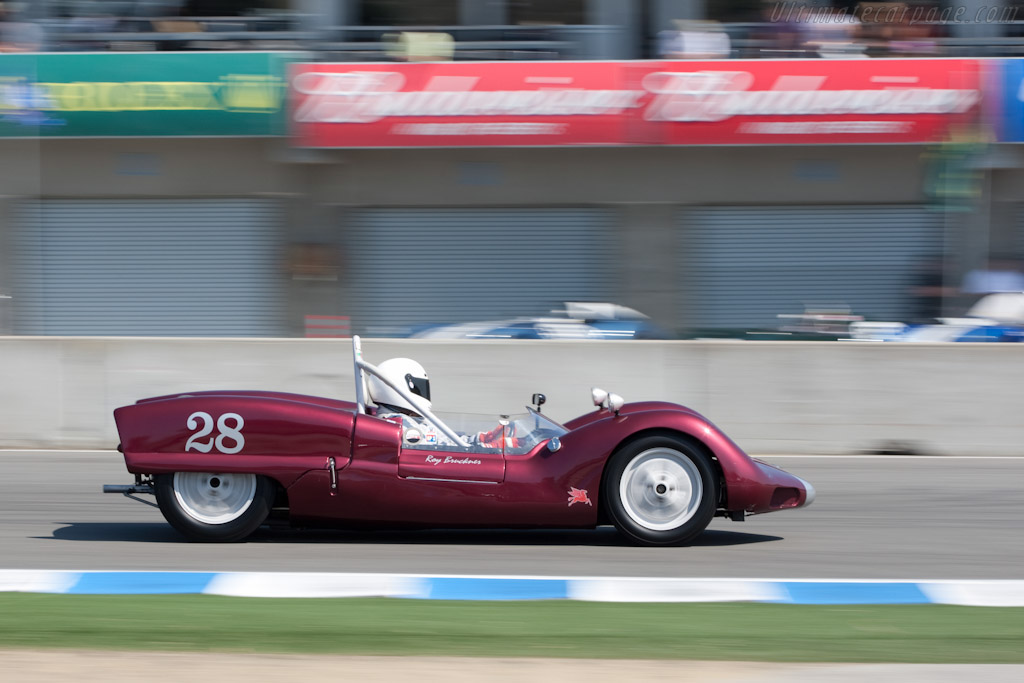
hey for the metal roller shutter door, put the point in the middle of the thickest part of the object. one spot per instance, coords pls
(414, 266)
(195, 267)
(1019, 242)
(745, 265)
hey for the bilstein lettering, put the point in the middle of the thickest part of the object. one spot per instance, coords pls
(365, 97)
(716, 96)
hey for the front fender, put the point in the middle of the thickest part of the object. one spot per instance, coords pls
(749, 486)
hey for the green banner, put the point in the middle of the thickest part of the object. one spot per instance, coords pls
(115, 94)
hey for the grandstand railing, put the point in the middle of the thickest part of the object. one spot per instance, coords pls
(499, 42)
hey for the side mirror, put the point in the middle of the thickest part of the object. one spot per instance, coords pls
(599, 396)
(615, 403)
(538, 400)
(555, 444)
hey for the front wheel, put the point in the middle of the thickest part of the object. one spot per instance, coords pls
(206, 506)
(661, 490)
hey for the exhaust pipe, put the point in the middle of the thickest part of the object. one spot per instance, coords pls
(128, 489)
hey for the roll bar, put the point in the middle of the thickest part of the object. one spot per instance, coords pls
(359, 366)
(357, 358)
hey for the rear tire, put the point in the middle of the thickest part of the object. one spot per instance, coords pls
(661, 490)
(210, 507)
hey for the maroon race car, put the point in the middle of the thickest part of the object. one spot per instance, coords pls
(222, 462)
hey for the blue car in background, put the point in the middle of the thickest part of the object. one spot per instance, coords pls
(994, 318)
(578, 320)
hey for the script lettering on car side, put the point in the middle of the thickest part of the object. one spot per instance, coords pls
(449, 460)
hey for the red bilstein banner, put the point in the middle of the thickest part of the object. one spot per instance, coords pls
(631, 103)
(459, 104)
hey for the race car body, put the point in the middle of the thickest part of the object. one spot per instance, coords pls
(220, 461)
(994, 318)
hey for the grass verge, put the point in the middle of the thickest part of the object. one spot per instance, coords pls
(761, 632)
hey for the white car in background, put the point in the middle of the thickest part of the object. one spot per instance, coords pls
(994, 318)
(578, 320)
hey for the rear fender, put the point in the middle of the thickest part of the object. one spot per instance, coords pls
(233, 433)
(299, 398)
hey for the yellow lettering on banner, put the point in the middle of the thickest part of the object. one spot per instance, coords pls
(182, 95)
(178, 96)
(109, 97)
(198, 96)
(136, 92)
(61, 93)
(250, 93)
(169, 96)
(242, 93)
(125, 95)
(134, 96)
(90, 99)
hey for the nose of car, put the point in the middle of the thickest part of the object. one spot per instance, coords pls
(810, 492)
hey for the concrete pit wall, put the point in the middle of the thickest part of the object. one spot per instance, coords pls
(770, 397)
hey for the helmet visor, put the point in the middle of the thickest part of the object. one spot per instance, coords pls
(418, 385)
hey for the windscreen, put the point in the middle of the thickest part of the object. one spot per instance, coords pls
(526, 430)
(510, 434)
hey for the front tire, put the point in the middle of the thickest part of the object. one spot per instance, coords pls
(212, 507)
(661, 490)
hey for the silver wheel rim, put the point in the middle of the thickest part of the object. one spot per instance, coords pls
(214, 498)
(661, 489)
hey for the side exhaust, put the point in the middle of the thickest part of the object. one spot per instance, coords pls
(143, 484)
(128, 489)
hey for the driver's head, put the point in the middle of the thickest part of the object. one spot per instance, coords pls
(406, 373)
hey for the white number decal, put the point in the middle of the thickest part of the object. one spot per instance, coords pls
(201, 446)
(223, 432)
(233, 433)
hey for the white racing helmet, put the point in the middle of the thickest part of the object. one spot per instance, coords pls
(405, 373)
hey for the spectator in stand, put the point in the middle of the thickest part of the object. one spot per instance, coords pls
(18, 36)
(695, 40)
(836, 38)
(914, 39)
(1002, 274)
(777, 35)
(3, 29)
(928, 290)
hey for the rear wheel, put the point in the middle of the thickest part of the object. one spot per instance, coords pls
(661, 490)
(207, 506)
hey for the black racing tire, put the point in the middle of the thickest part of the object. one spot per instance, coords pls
(660, 490)
(214, 508)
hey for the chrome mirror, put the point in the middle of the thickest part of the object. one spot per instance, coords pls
(615, 403)
(599, 396)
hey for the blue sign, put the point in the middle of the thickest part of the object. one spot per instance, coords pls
(1007, 111)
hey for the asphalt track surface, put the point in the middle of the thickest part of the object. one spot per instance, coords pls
(874, 518)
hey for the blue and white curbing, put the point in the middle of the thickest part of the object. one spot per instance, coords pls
(439, 587)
